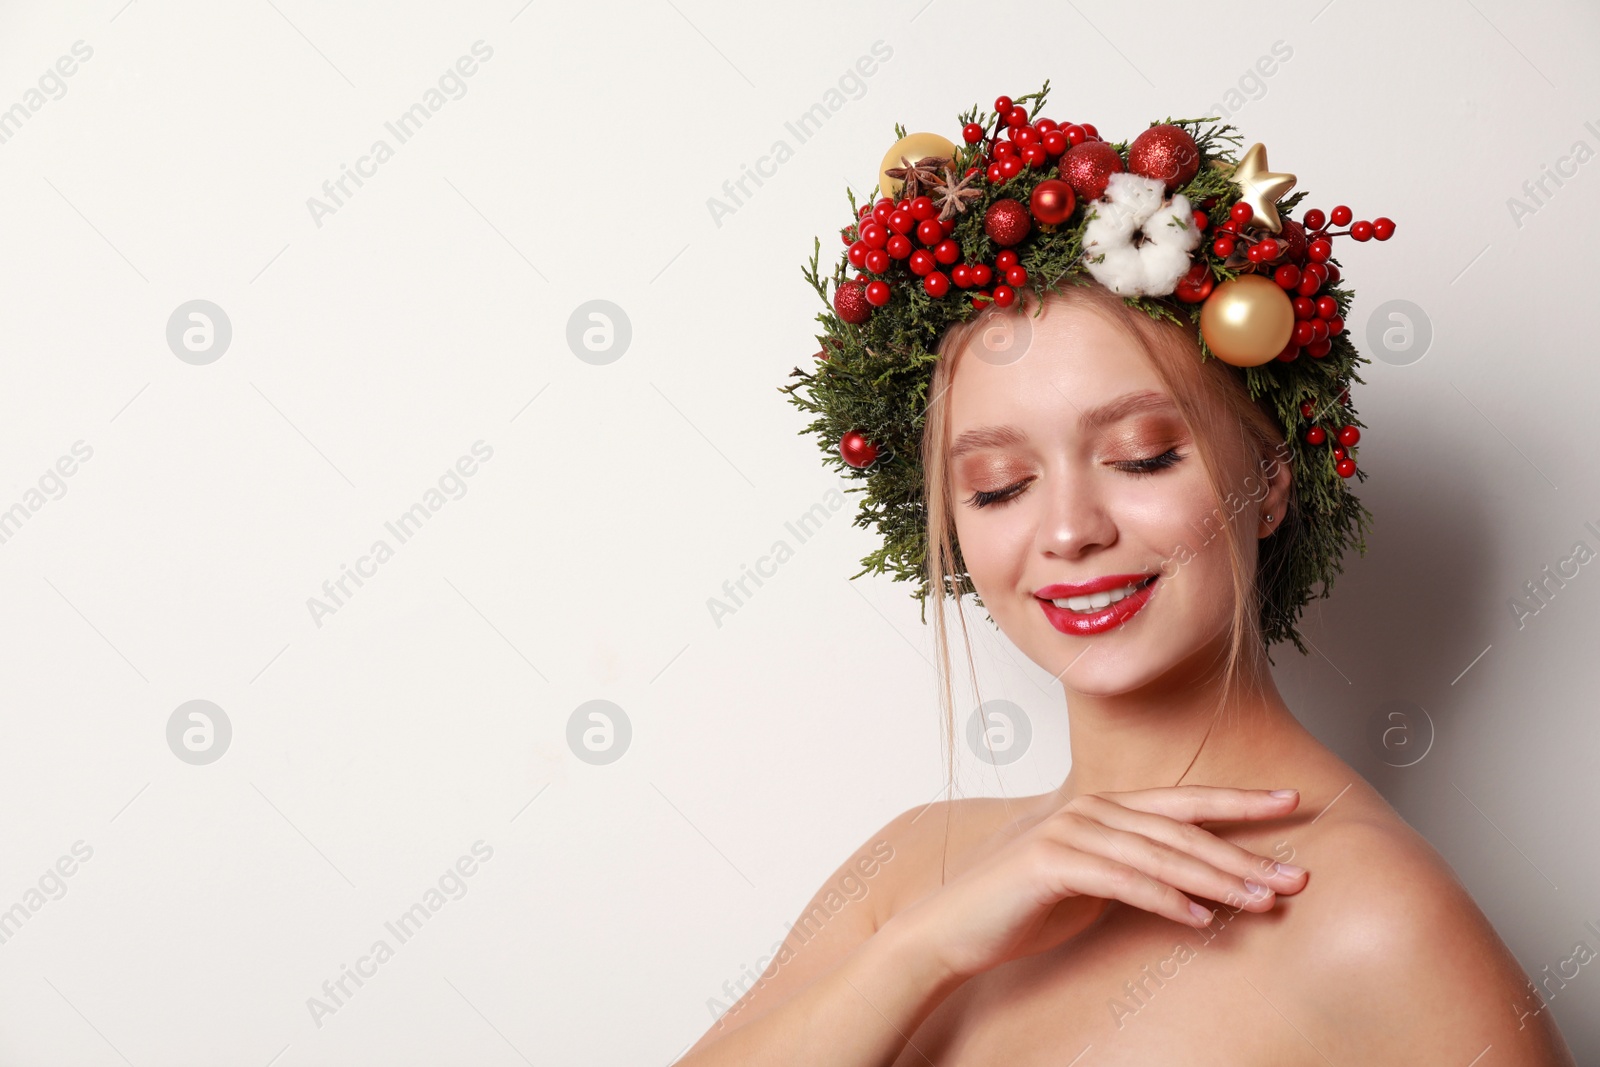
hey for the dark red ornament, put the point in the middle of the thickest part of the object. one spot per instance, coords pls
(857, 450)
(850, 302)
(1292, 238)
(1088, 166)
(1006, 222)
(1052, 201)
(1166, 153)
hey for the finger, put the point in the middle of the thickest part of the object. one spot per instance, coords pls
(1204, 803)
(1095, 875)
(1200, 843)
(1164, 863)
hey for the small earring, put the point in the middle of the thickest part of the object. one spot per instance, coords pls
(1269, 516)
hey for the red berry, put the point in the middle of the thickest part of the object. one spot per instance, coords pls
(1304, 307)
(921, 262)
(1241, 213)
(1023, 135)
(962, 275)
(899, 246)
(877, 293)
(1196, 285)
(994, 173)
(1017, 116)
(1004, 296)
(947, 251)
(901, 221)
(1361, 231)
(1341, 216)
(1316, 435)
(1004, 150)
(1303, 334)
(972, 133)
(981, 274)
(1005, 260)
(1309, 282)
(922, 208)
(877, 261)
(1287, 276)
(1318, 349)
(1330, 273)
(1035, 156)
(1338, 453)
(1045, 125)
(1320, 249)
(1346, 467)
(874, 234)
(936, 284)
(1002, 104)
(1335, 326)
(1319, 330)
(1076, 134)
(929, 232)
(981, 299)
(1305, 409)
(1290, 353)
(866, 209)
(1223, 247)
(1269, 249)
(857, 255)
(1327, 307)
(1089, 129)
(1010, 167)
(881, 211)
(1055, 142)
(1349, 435)
(1254, 253)
(1382, 228)
(1201, 220)
(1016, 277)
(1315, 219)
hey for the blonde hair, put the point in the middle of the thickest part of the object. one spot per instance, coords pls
(1224, 421)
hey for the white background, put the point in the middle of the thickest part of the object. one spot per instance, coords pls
(430, 311)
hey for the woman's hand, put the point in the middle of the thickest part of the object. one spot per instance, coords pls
(1141, 847)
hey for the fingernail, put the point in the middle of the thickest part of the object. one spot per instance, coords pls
(1284, 792)
(1253, 889)
(1204, 914)
(1289, 870)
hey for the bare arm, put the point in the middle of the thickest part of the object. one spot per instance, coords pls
(857, 1014)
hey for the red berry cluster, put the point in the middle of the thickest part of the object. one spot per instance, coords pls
(1026, 143)
(1297, 259)
(1346, 436)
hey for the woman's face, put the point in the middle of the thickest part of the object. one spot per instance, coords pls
(1071, 465)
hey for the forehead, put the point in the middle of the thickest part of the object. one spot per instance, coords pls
(1074, 360)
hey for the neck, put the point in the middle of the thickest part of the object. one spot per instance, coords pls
(1171, 732)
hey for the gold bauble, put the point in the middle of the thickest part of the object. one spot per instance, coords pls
(1247, 321)
(912, 147)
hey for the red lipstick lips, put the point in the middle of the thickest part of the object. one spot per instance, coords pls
(1084, 624)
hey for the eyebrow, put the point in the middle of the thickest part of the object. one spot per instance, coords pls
(1107, 414)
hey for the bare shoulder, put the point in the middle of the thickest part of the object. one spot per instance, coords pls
(1388, 951)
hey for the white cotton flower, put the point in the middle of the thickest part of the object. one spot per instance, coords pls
(1136, 243)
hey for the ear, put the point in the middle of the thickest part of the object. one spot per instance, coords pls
(1276, 477)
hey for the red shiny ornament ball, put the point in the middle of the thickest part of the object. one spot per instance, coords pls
(922, 262)
(1292, 238)
(1349, 435)
(1316, 435)
(947, 251)
(1196, 285)
(1089, 166)
(1287, 276)
(972, 133)
(850, 303)
(857, 450)
(877, 261)
(877, 293)
(936, 284)
(1223, 247)
(1382, 228)
(1004, 296)
(1346, 468)
(1166, 153)
(1052, 202)
(1006, 222)
(1315, 219)
(1341, 216)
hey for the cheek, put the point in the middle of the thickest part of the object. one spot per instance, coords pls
(995, 545)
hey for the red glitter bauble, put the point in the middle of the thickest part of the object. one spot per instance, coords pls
(1052, 201)
(857, 450)
(850, 301)
(1006, 222)
(1088, 166)
(1293, 241)
(1166, 153)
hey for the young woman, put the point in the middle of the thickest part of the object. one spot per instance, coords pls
(1210, 884)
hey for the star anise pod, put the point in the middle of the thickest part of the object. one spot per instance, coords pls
(951, 195)
(913, 176)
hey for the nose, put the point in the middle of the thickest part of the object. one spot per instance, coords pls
(1075, 519)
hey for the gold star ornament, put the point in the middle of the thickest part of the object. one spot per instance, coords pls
(1260, 187)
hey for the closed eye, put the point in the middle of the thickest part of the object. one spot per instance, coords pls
(983, 498)
(1151, 464)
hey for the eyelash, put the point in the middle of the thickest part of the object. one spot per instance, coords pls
(1138, 467)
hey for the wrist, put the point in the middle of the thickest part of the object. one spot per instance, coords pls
(908, 942)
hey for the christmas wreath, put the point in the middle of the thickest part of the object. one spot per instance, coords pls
(1174, 221)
